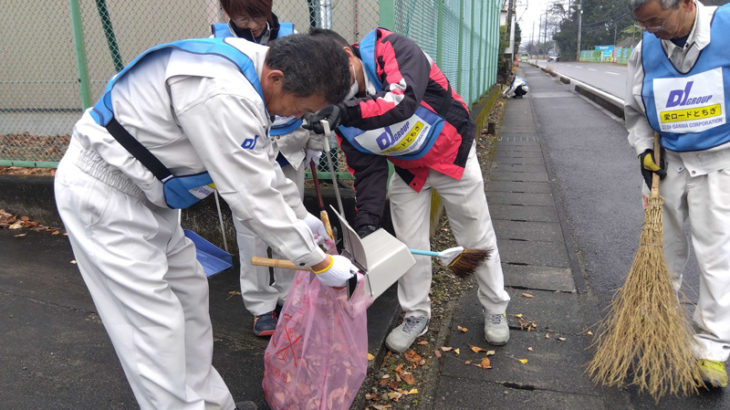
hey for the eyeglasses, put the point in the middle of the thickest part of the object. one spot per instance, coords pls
(657, 24)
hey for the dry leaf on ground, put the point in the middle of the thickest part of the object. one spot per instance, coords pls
(412, 356)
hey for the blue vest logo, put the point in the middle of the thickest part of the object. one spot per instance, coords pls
(387, 138)
(681, 97)
(249, 143)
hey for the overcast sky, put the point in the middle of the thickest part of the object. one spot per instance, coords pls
(532, 11)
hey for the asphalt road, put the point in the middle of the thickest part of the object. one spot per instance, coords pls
(610, 78)
(598, 176)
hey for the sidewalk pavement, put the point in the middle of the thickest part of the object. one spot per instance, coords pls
(553, 312)
(542, 366)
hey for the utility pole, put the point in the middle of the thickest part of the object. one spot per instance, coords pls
(580, 24)
(511, 32)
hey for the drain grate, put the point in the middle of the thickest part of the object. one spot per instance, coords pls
(518, 138)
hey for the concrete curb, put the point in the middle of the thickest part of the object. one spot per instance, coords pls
(609, 102)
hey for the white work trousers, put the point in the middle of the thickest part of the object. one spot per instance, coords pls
(150, 292)
(259, 294)
(466, 207)
(704, 203)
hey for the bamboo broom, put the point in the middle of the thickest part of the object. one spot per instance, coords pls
(646, 337)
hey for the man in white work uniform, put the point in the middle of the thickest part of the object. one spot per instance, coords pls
(679, 85)
(180, 117)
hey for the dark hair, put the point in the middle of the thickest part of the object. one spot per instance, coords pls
(311, 65)
(251, 8)
(329, 34)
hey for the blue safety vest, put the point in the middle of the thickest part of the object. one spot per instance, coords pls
(408, 140)
(181, 191)
(690, 109)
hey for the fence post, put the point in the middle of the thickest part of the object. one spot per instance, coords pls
(78, 34)
(111, 39)
(461, 49)
(386, 19)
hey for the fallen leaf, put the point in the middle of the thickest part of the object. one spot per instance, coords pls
(413, 391)
(24, 218)
(412, 356)
(462, 329)
(73, 262)
(589, 333)
(423, 342)
(456, 351)
(562, 339)
(547, 335)
(55, 233)
(519, 315)
(16, 225)
(527, 295)
(371, 357)
(475, 349)
(234, 293)
(386, 376)
(20, 235)
(394, 395)
(437, 353)
(530, 348)
(468, 362)
(370, 396)
(409, 378)
(523, 361)
(446, 348)
(485, 363)
(382, 406)
(491, 352)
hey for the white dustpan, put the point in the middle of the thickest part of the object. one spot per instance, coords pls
(381, 257)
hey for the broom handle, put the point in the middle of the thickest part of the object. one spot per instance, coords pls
(421, 252)
(322, 211)
(327, 132)
(276, 263)
(657, 160)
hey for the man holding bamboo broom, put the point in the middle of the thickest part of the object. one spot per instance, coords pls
(679, 85)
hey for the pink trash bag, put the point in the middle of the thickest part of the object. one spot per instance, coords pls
(318, 355)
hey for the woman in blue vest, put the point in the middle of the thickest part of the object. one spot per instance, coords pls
(254, 21)
(679, 86)
(179, 117)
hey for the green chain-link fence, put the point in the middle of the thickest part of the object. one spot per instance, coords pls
(57, 55)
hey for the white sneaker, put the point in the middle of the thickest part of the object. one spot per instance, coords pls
(403, 336)
(496, 330)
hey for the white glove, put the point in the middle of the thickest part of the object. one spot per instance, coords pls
(338, 271)
(317, 227)
(312, 155)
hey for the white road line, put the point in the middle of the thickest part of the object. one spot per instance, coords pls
(592, 69)
(612, 73)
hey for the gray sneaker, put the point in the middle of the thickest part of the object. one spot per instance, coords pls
(403, 336)
(496, 330)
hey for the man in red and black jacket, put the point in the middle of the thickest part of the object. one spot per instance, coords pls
(404, 110)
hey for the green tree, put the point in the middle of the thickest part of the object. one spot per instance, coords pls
(605, 22)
